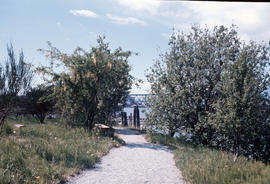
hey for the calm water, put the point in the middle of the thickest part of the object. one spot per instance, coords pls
(129, 110)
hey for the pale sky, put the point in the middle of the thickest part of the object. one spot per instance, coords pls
(142, 26)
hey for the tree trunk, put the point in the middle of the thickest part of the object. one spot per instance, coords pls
(1, 124)
(91, 121)
(2, 121)
(41, 118)
(171, 133)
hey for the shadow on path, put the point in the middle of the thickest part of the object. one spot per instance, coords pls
(127, 132)
(147, 146)
(127, 164)
(143, 145)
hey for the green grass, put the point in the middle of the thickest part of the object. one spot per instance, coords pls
(48, 153)
(201, 165)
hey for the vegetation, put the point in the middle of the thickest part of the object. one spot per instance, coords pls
(87, 89)
(47, 153)
(91, 85)
(241, 118)
(15, 79)
(36, 103)
(212, 85)
(202, 165)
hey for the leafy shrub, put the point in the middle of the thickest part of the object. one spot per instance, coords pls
(213, 85)
(97, 81)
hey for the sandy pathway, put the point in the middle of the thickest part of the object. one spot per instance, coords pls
(135, 163)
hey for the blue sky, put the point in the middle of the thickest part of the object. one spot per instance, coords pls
(142, 26)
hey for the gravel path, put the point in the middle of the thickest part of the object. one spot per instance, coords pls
(135, 163)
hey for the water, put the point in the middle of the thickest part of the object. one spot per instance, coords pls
(129, 110)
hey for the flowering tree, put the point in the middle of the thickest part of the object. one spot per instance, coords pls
(91, 85)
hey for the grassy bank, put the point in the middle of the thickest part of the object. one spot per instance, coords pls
(201, 165)
(47, 153)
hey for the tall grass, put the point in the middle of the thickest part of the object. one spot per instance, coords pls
(47, 153)
(201, 165)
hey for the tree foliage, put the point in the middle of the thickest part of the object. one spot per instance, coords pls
(37, 104)
(242, 112)
(15, 79)
(212, 84)
(92, 84)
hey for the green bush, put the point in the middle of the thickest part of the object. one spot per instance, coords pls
(98, 81)
(214, 85)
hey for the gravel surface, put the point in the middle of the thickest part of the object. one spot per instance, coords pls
(135, 163)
